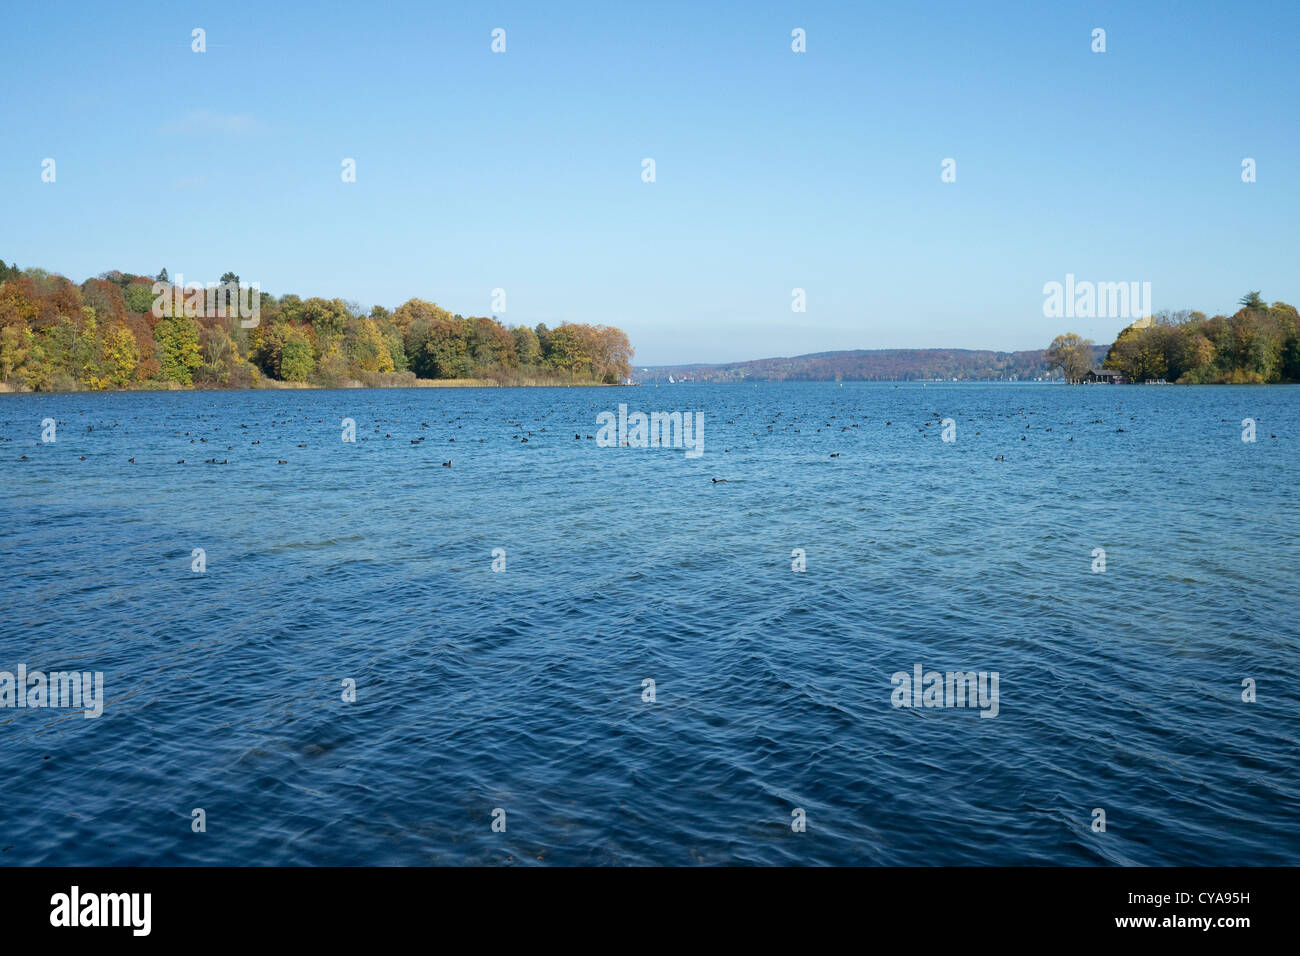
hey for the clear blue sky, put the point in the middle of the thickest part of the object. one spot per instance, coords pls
(775, 170)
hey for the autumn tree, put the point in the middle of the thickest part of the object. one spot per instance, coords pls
(367, 347)
(104, 333)
(121, 356)
(1072, 354)
(14, 348)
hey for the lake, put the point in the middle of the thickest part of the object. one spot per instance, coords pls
(1118, 557)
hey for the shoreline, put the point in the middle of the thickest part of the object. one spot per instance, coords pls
(278, 386)
(8, 389)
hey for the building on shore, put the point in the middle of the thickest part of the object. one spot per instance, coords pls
(1105, 376)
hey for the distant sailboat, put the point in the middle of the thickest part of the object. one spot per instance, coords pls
(670, 379)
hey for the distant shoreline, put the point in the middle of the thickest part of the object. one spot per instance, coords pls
(937, 381)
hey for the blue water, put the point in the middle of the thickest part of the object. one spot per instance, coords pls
(522, 689)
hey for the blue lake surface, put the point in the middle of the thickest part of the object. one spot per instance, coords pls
(522, 689)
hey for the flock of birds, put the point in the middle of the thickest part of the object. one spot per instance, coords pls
(521, 433)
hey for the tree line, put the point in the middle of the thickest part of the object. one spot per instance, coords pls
(56, 335)
(1256, 345)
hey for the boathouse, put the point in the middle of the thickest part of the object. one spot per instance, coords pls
(1106, 376)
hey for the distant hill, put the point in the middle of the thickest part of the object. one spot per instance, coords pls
(873, 365)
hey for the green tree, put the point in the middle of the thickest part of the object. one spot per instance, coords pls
(139, 298)
(442, 351)
(296, 360)
(178, 349)
(393, 340)
(527, 346)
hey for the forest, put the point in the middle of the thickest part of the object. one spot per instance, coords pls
(1258, 344)
(106, 333)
